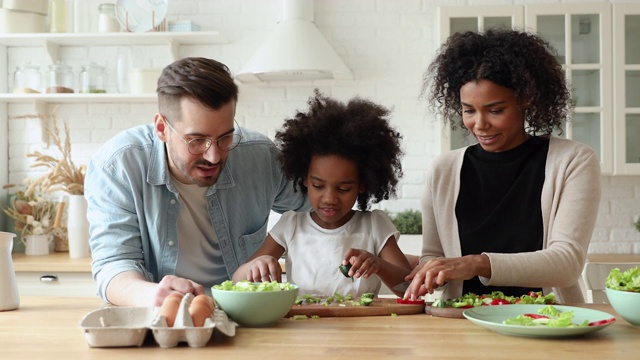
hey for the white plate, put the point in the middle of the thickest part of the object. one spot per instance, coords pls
(492, 317)
(141, 15)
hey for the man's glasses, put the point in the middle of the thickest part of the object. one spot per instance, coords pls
(199, 146)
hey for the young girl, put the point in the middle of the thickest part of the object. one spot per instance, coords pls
(338, 154)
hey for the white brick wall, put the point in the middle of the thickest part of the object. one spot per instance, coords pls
(386, 43)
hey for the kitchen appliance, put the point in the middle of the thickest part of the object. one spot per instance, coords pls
(294, 51)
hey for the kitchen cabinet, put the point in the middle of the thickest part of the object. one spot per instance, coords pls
(53, 275)
(582, 33)
(601, 57)
(626, 92)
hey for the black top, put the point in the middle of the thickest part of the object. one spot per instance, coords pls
(498, 207)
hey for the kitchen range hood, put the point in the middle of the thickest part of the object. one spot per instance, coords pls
(294, 51)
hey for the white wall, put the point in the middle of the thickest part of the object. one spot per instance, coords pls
(386, 43)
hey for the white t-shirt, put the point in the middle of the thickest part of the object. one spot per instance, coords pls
(314, 254)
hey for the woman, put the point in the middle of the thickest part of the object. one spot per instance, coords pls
(514, 212)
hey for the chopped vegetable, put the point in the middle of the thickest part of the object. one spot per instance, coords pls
(337, 299)
(495, 298)
(628, 280)
(246, 285)
(409, 302)
(299, 317)
(548, 316)
(344, 269)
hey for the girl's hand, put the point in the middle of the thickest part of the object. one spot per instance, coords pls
(363, 263)
(264, 268)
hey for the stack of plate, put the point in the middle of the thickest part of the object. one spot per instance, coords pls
(141, 15)
(23, 16)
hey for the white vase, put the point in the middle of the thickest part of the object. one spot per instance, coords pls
(37, 244)
(78, 227)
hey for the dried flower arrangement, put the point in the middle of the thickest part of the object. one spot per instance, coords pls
(35, 215)
(64, 176)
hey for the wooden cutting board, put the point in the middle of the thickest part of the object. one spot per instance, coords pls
(379, 307)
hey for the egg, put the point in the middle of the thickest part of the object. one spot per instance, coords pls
(169, 308)
(200, 309)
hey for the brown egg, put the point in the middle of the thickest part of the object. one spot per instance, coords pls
(205, 300)
(200, 309)
(169, 308)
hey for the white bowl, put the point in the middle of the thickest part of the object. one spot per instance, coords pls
(626, 304)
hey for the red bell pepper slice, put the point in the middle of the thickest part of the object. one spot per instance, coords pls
(601, 322)
(499, 302)
(536, 316)
(409, 302)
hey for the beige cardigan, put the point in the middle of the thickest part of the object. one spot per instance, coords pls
(570, 201)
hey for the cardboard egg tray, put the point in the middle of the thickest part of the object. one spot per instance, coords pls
(128, 326)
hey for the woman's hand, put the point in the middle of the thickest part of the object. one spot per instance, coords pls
(437, 272)
(363, 263)
(264, 268)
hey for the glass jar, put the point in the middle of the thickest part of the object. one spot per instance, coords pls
(107, 21)
(59, 78)
(93, 79)
(27, 79)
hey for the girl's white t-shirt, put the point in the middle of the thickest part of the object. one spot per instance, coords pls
(314, 254)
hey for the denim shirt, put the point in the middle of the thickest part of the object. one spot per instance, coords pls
(133, 206)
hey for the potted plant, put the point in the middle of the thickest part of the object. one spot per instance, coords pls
(409, 223)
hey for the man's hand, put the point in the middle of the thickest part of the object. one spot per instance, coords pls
(133, 289)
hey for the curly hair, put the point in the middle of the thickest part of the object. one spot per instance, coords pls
(358, 131)
(520, 61)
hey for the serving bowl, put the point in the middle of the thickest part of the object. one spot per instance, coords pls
(255, 308)
(626, 304)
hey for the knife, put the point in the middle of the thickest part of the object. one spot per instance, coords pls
(402, 287)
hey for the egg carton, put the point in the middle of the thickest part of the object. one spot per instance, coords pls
(128, 326)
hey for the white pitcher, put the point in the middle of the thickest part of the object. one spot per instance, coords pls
(9, 298)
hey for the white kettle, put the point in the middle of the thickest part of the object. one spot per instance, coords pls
(9, 298)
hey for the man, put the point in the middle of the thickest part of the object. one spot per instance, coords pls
(178, 205)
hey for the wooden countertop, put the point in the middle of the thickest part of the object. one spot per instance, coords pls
(55, 262)
(46, 327)
(613, 258)
(61, 262)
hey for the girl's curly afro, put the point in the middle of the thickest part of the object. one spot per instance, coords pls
(358, 131)
(520, 61)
